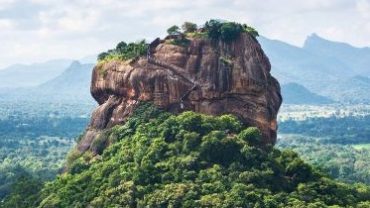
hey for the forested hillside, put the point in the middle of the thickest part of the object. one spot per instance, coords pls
(158, 159)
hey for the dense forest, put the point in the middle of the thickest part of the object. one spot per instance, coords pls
(41, 158)
(339, 146)
(332, 130)
(347, 163)
(34, 141)
(158, 159)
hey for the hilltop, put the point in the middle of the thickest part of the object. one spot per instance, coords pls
(187, 121)
(218, 69)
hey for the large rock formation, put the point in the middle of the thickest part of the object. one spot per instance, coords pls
(205, 76)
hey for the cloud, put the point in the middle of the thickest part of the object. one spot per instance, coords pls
(6, 24)
(363, 6)
(37, 30)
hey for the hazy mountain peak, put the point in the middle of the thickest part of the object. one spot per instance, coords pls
(294, 93)
(327, 68)
(75, 64)
(314, 38)
(358, 59)
(28, 75)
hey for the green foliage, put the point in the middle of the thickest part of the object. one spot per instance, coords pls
(331, 130)
(189, 27)
(24, 193)
(250, 30)
(73, 155)
(124, 51)
(213, 29)
(197, 34)
(342, 162)
(230, 31)
(173, 30)
(251, 135)
(338, 145)
(227, 31)
(226, 61)
(99, 143)
(121, 47)
(194, 160)
(180, 42)
(103, 55)
(35, 138)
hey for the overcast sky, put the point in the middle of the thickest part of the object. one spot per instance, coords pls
(38, 30)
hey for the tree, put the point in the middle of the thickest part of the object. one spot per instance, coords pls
(252, 135)
(25, 192)
(121, 47)
(205, 161)
(174, 30)
(213, 29)
(226, 31)
(250, 30)
(230, 31)
(102, 56)
(189, 27)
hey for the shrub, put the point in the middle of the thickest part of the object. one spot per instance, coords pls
(213, 28)
(78, 166)
(250, 30)
(230, 31)
(99, 143)
(173, 30)
(180, 42)
(124, 51)
(73, 155)
(226, 61)
(121, 47)
(103, 55)
(227, 31)
(251, 135)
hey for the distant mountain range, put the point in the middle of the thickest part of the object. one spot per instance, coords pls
(358, 59)
(333, 70)
(294, 93)
(73, 84)
(322, 71)
(21, 75)
(31, 75)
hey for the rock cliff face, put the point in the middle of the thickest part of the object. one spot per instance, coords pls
(205, 76)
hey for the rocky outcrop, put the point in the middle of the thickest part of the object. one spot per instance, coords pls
(205, 76)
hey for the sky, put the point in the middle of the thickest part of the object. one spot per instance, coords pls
(39, 30)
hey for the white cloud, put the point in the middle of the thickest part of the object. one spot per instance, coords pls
(5, 3)
(82, 21)
(363, 6)
(6, 24)
(36, 30)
